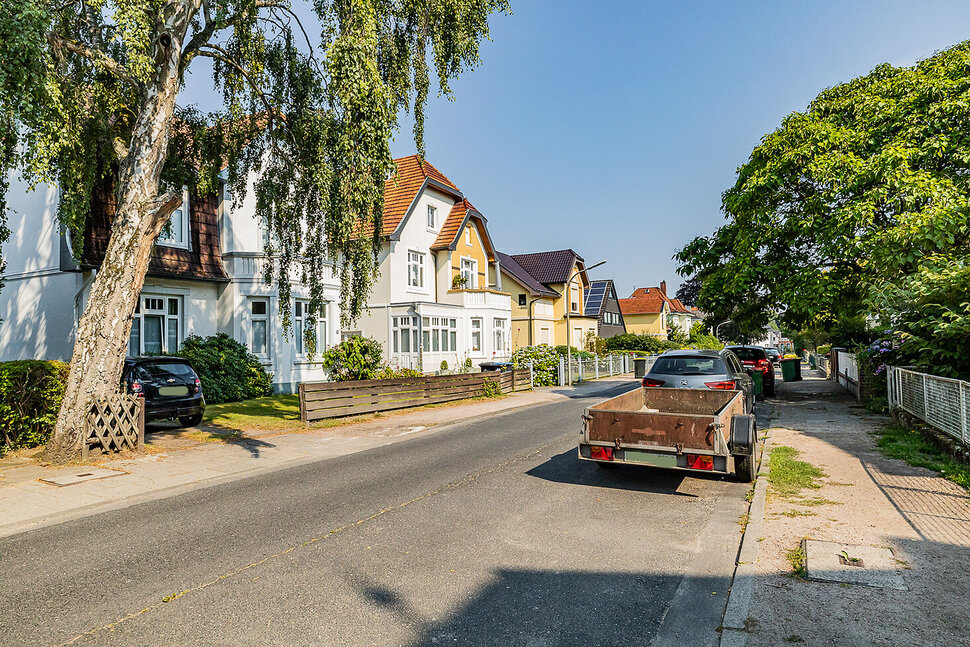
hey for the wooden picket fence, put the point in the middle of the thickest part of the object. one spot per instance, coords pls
(319, 400)
(114, 422)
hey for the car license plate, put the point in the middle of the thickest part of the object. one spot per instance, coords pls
(173, 391)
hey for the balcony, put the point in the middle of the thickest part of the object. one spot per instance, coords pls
(479, 298)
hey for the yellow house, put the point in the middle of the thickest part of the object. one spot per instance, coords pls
(646, 312)
(544, 286)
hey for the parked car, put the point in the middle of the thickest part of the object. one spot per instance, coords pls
(701, 369)
(169, 385)
(756, 358)
(773, 354)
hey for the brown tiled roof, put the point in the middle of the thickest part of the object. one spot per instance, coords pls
(674, 305)
(513, 269)
(549, 267)
(643, 301)
(452, 227)
(402, 188)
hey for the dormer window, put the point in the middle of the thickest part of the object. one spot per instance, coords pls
(176, 230)
(468, 235)
(432, 217)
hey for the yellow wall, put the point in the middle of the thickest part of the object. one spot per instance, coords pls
(475, 250)
(585, 324)
(645, 324)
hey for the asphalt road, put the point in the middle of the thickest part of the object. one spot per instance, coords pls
(485, 533)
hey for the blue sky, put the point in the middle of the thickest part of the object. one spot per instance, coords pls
(614, 127)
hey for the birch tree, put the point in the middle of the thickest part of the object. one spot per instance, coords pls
(310, 98)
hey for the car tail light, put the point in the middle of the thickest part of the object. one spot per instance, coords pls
(727, 385)
(198, 385)
(601, 453)
(138, 389)
(648, 382)
(700, 462)
(764, 365)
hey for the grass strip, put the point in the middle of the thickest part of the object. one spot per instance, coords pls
(916, 449)
(788, 475)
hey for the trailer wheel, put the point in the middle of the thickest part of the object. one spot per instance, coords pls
(744, 441)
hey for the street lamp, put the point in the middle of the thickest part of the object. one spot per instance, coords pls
(569, 346)
(718, 328)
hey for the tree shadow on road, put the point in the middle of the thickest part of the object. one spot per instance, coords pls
(567, 468)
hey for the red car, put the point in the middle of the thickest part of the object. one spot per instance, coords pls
(755, 357)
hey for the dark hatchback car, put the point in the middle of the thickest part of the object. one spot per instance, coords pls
(755, 358)
(773, 355)
(169, 385)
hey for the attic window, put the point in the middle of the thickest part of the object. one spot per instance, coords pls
(468, 235)
(432, 217)
(522, 300)
(176, 231)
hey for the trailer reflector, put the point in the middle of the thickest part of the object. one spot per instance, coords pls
(598, 453)
(700, 462)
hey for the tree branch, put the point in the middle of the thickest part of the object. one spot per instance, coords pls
(96, 56)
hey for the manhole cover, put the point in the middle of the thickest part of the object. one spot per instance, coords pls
(827, 561)
(73, 478)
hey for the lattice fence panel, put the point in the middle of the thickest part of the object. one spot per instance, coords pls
(114, 422)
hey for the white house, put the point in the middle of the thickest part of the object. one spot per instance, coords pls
(205, 277)
(439, 294)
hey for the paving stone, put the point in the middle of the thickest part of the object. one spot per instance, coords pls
(828, 561)
(81, 476)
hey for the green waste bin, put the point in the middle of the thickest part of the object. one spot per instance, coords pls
(759, 381)
(789, 369)
(813, 362)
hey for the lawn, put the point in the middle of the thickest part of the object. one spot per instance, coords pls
(916, 449)
(272, 413)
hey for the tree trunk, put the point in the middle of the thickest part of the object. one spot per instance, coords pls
(102, 333)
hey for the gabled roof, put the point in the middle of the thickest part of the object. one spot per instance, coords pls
(644, 301)
(549, 267)
(402, 189)
(596, 296)
(511, 267)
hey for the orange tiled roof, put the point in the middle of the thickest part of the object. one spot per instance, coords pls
(401, 188)
(643, 301)
(452, 227)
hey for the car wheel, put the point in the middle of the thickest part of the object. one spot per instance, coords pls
(744, 468)
(191, 421)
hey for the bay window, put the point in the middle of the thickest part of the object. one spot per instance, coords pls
(156, 326)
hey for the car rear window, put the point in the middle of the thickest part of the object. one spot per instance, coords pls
(688, 366)
(748, 354)
(167, 370)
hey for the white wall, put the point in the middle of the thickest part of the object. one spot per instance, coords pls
(416, 236)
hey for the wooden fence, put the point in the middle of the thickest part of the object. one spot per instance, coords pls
(114, 422)
(319, 400)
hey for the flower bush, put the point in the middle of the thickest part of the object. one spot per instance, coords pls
(545, 363)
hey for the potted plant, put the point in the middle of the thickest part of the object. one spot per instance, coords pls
(459, 282)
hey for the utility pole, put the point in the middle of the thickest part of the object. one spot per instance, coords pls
(568, 304)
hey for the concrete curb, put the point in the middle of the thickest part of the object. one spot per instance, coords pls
(733, 630)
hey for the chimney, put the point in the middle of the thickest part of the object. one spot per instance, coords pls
(663, 288)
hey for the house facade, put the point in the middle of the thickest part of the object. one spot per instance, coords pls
(205, 276)
(650, 311)
(438, 297)
(545, 286)
(602, 303)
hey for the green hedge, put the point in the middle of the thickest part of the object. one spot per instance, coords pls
(226, 368)
(643, 343)
(30, 397)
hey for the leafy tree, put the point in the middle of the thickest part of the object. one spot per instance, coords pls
(89, 89)
(689, 291)
(844, 199)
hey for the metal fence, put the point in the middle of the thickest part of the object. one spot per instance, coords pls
(848, 372)
(939, 401)
(581, 370)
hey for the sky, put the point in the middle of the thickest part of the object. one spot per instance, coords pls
(613, 127)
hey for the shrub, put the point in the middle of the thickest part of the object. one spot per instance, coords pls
(226, 368)
(700, 338)
(30, 397)
(491, 389)
(358, 358)
(545, 363)
(823, 350)
(643, 343)
(581, 354)
(444, 365)
(388, 373)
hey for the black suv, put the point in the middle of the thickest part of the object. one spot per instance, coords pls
(169, 385)
(755, 358)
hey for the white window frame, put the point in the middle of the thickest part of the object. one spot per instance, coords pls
(415, 261)
(476, 333)
(499, 333)
(468, 235)
(439, 334)
(262, 317)
(469, 269)
(405, 327)
(172, 322)
(301, 319)
(178, 238)
(432, 217)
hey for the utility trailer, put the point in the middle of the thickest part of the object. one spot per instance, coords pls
(702, 430)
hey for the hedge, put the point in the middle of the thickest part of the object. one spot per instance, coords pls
(30, 397)
(226, 368)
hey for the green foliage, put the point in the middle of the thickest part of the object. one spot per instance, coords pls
(564, 350)
(357, 358)
(388, 373)
(700, 338)
(226, 368)
(30, 397)
(824, 349)
(491, 388)
(917, 449)
(845, 201)
(545, 363)
(788, 475)
(643, 343)
(677, 336)
(444, 365)
(309, 121)
(459, 281)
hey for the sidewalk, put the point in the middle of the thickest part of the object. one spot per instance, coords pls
(28, 502)
(866, 503)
